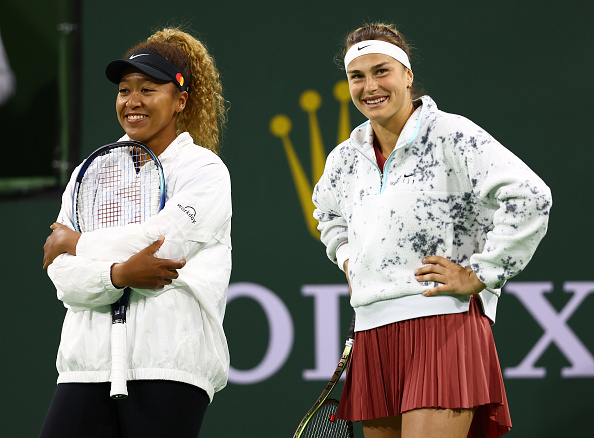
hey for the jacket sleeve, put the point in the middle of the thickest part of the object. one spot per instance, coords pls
(521, 202)
(198, 211)
(332, 225)
(81, 283)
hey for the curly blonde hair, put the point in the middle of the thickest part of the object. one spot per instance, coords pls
(205, 113)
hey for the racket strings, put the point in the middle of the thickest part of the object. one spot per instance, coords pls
(324, 424)
(118, 184)
(139, 157)
(110, 210)
(120, 187)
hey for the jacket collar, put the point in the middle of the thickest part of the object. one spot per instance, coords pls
(362, 135)
(173, 149)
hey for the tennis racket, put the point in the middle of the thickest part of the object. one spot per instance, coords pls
(118, 184)
(320, 421)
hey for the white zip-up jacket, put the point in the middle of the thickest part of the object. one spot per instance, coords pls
(173, 333)
(448, 189)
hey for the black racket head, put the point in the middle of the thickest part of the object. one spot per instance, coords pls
(325, 407)
(118, 184)
(324, 424)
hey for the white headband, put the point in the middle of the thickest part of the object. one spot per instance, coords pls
(376, 46)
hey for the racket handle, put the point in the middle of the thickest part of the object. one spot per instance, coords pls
(351, 335)
(118, 361)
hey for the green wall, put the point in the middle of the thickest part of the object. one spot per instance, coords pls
(520, 69)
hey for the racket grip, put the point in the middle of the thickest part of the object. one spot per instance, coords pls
(118, 361)
(351, 334)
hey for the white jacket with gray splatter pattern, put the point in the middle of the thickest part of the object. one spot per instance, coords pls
(448, 189)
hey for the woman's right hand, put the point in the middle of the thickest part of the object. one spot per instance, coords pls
(346, 272)
(145, 271)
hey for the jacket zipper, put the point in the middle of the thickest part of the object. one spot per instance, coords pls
(383, 175)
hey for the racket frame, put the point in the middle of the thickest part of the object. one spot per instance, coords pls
(101, 151)
(342, 365)
(118, 309)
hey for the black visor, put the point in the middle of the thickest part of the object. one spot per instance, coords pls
(150, 63)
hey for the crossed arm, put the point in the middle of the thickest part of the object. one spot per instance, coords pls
(203, 183)
(142, 270)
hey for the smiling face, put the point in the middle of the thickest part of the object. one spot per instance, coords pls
(147, 109)
(379, 87)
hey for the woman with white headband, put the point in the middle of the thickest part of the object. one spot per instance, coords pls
(429, 216)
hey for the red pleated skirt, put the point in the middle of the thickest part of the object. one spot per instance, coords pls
(442, 361)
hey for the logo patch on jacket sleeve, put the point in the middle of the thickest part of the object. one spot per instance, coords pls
(189, 211)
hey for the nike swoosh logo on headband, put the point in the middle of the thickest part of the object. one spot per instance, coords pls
(361, 48)
(136, 56)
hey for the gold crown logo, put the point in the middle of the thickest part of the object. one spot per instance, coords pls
(280, 126)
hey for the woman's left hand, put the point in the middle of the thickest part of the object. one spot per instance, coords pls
(62, 240)
(453, 278)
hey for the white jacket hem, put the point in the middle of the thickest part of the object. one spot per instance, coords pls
(386, 312)
(141, 374)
